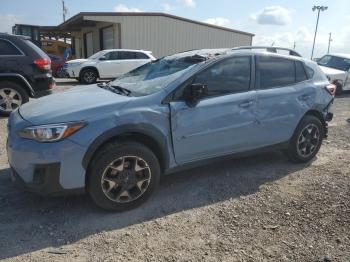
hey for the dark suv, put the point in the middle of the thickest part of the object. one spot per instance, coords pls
(25, 71)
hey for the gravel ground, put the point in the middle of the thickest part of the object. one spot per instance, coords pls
(260, 208)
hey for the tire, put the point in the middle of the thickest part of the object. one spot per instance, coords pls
(12, 95)
(339, 89)
(88, 76)
(307, 130)
(112, 172)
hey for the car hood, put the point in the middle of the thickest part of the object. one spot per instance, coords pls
(76, 61)
(78, 104)
(331, 72)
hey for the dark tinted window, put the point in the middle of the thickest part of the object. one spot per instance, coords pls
(300, 73)
(123, 55)
(141, 56)
(6, 48)
(112, 55)
(228, 76)
(275, 72)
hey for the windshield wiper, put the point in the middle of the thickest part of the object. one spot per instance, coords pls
(116, 89)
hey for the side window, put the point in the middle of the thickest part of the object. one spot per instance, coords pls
(275, 72)
(300, 74)
(124, 55)
(111, 55)
(228, 76)
(141, 56)
(6, 48)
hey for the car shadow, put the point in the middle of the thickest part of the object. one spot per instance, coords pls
(30, 223)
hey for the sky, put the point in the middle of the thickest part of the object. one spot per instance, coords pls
(279, 23)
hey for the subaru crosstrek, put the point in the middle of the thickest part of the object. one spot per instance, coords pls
(116, 139)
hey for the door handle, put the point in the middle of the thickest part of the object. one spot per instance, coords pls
(246, 104)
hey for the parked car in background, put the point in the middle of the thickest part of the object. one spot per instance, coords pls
(25, 71)
(116, 139)
(337, 69)
(57, 63)
(106, 64)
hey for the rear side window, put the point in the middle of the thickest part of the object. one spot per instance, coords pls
(7, 48)
(300, 74)
(229, 76)
(275, 72)
(141, 56)
(124, 55)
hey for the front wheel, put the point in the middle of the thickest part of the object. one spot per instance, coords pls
(12, 96)
(306, 140)
(88, 76)
(122, 176)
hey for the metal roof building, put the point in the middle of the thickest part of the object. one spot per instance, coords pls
(161, 33)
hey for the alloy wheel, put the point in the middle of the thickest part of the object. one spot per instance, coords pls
(89, 76)
(308, 140)
(10, 99)
(126, 179)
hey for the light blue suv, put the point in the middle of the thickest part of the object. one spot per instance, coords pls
(116, 140)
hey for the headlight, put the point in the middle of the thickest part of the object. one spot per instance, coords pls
(52, 132)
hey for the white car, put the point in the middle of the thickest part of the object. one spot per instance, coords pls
(337, 69)
(106, 64)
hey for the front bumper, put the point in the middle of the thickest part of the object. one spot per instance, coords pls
(44, 168)
(71, 71)
(45, 181)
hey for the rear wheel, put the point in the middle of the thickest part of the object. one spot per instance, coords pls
(306, 140)
(12, 95)
(88, 76)
(123, 176)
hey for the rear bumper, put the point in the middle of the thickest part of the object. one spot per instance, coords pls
(43, 85)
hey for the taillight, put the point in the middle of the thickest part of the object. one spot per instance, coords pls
(43, 63)
(331, 89)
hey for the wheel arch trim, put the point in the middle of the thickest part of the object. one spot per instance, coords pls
(131, 130)
(22, 78)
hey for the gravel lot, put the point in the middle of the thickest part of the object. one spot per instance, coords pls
(260, 208)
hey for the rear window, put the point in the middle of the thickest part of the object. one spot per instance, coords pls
(275, 72)
(7, 48)
(37, 49)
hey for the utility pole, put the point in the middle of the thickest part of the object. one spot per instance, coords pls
(329, 42)
(319, 9)
(294, 45)
(64, 11)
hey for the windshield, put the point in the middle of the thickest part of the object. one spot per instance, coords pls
(335, 62)
(96, 55)
(154, 76)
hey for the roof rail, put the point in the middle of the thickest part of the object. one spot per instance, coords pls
(271, 49)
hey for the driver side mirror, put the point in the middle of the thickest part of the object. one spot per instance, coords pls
(194, 92)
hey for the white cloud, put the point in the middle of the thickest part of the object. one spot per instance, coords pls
(167, 7)
(124, 8)
(220, 21)
(303, 38)
(189, 3)
(272, 15)
(6, 23)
